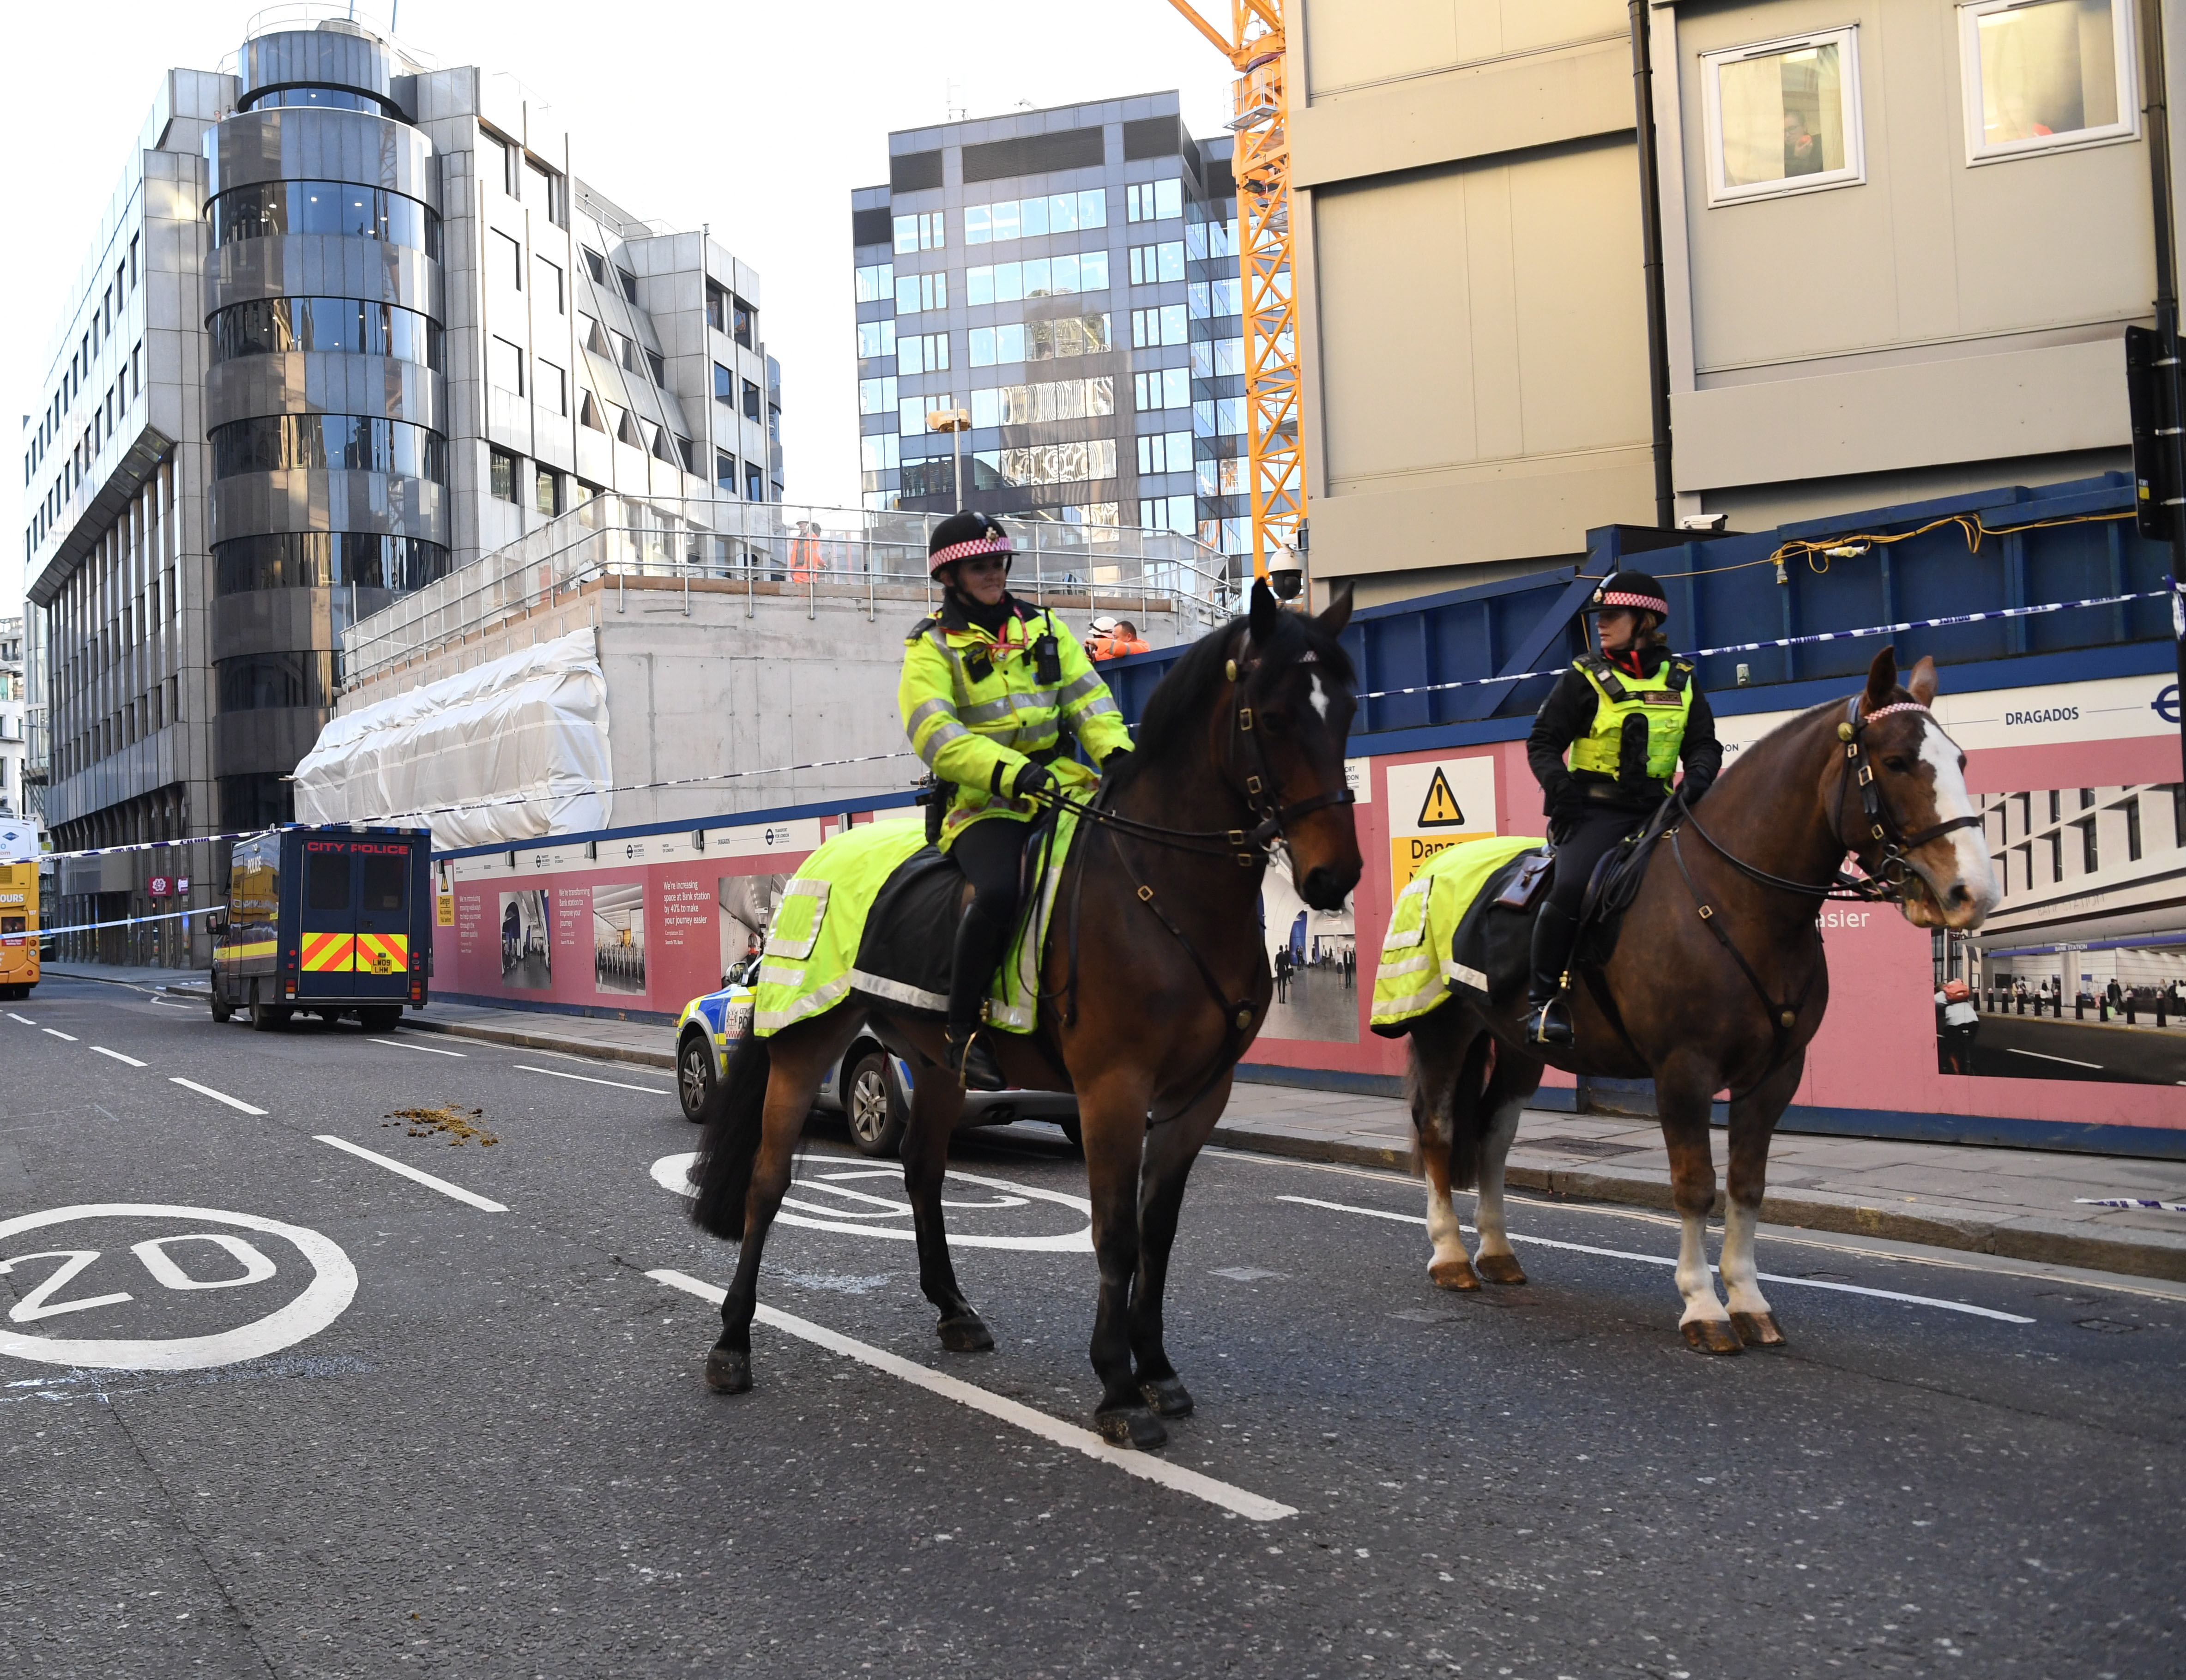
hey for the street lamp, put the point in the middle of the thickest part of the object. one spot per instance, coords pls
(956, 421)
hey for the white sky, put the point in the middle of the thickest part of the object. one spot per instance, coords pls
(758, 119)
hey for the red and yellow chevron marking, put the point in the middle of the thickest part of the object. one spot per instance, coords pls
(383, 953)
(325, 952)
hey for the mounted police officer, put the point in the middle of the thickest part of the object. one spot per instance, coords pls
(989, 685)
(1627, 715)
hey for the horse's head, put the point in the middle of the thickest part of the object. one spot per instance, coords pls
(1293, 705)
(1923, 810)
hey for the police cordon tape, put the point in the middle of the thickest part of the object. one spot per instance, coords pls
(1374, 694)
(1810, 640)
(125, 922)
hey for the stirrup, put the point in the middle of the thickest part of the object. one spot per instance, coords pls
(1551, 1022)
(972, 1062)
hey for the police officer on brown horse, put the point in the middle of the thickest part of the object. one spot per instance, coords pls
(1627, 715)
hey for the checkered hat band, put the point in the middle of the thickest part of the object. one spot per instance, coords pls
(1622, 597)
(957, 551)
(1898, 706)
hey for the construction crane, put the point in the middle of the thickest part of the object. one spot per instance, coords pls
(1262, 165)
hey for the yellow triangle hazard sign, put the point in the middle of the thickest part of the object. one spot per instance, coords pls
(1439, 810)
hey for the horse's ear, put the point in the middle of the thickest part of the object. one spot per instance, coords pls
(1882, 680)
(1337, 613)
(1921, 684)
(1265, 615)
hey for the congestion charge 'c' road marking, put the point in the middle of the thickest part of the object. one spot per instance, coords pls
(409, 1171)
(557, 1072)
(217, 1096)
(430, 1049)
(58, 1033)
(671, 1173)
(117, 1055)
(1658, 1260)
(1251, 1506)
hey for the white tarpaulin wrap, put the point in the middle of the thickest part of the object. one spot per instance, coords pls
(518, 745)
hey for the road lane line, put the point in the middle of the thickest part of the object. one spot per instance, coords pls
(2069, 1060)
(430, 1049)
(217, 1096)
(1658, 1260)
(118, 1056)
(650, 1091)
(409, 1171)
(58, 1033)
(1250, 1506)
(24, 1019)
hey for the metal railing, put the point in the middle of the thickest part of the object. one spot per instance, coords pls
(820, 557)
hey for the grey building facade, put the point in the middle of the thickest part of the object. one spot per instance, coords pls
(1069, 276)
(352, 320)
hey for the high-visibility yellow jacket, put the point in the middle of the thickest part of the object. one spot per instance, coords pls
(976, 709)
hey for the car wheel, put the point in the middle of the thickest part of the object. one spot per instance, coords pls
(869, 1105)
(694, 1075)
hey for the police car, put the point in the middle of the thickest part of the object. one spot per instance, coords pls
(869, 1087)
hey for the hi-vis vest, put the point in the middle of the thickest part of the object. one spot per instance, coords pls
(976, 709)
(1663, 702)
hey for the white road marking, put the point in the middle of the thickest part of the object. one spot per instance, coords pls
(650, 1091)
(58, 1033)
(411, 1172)
(671, 1173)
(2070, 1061)
(1659, 1260)
(1253, 1507)
(118, 1056)
(217, 1096)
(24, 1019)
(430, 1049)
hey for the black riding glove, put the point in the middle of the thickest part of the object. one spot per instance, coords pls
(1030, 779)
(1566, 802)
(1116, 761)
(1695, 788)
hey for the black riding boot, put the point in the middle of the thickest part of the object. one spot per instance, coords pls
(1553, 933)
(979, 950)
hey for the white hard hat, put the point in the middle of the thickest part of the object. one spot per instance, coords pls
(1103, 625)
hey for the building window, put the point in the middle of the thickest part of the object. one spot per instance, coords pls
(499, 163)
(595, 265)
(876, 396)
(546, 490)
(1783, 116)
(912, 411)
(1168, 513)
(916, 353)
(271, 208)
(717, 308)
(588, 411)
(751, 400)
(2044, 76)
(916, 292)
(504, 366)
(1025, 218)
(501, 478)
(883, 451)
(546, 283)
(629, 285)
(725, 472)
(743, 323)
(658, 364)
(2132, 829)
(1168, 387)
(1151, 327)
(1153, 264)
(350, 443)
(275, 326)
(506, 260)
(1165, 452)
(552, 392)
(591, 336)
(539, 184)
(1153, 201)
(925, 232)
(1056, 400)
(1071, 463)
(875, 338)
(876, 281)
(755, 483)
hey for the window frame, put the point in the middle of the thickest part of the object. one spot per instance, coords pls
(1979, 152)
(1853, 173)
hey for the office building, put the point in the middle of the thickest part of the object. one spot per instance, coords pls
(351, 320)
(1898, 253)
(1069, 278)
(13, 720)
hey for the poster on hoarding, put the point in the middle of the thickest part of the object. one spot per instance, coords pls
(1434, 805)
(527, 950)
(618, 936)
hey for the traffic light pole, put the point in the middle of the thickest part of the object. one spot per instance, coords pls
(2170, 406)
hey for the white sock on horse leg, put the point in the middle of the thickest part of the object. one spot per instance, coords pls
(1442, 1226)
(1738, 1261)
(1494, 1147)
(1694, 1282)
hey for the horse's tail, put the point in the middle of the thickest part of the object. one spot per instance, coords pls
(733, 1117)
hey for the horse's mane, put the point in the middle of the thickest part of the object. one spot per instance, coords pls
(1177, 711)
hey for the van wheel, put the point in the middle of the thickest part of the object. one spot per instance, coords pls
(380, 1018)
(266, 1017)
(222, 1010)
(869, 1105)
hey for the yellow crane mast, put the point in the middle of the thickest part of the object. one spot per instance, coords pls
(1262, 165)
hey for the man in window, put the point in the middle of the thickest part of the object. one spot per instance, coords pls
(1802, 147)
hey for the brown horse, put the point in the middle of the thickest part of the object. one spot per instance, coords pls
(1154, 985)
(1718, 980)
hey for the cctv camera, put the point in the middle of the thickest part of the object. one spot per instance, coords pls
(1285, 574)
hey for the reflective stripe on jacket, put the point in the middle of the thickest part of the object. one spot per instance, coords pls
(978, 731)
(1660, 702)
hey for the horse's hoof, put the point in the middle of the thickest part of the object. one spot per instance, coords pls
(728, 1370)
(966, 1334)
(1132, 1426)
(1712, 1336)
(1757, 1330)
(1456, 1274)
(1500, 1268)
(1168, 1398)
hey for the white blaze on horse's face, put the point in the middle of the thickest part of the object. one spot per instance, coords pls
(1320, 697)
(1964, 901)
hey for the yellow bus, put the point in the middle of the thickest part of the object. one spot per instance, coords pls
(19, 928)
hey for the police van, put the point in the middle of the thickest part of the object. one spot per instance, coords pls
(329, 921)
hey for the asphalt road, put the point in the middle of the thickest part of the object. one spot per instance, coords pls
(2022, 1047)
(497, 1457)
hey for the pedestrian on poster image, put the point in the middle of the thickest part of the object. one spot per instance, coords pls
(1958, 1022)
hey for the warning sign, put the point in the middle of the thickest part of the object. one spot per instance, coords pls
(1440, 809)
(1434, 805)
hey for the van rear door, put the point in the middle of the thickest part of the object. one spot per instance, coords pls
(328, 920)
(383, 920)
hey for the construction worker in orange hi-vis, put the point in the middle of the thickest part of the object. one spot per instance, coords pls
(804, 553)
(1112, 638)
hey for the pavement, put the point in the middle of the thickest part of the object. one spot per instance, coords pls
(2020, 1204)
(301, 1376)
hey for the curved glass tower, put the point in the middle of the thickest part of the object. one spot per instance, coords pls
(326, 401)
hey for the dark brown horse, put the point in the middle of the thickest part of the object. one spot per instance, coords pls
(1150, 994)
(1875, 777)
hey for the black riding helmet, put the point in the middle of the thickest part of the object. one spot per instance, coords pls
(1637, 591)
(961, 535)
